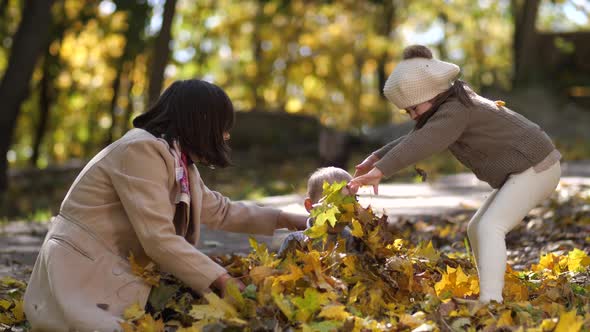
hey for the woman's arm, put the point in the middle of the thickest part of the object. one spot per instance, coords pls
(219, 212)
(143, 183)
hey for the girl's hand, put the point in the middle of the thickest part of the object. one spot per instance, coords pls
(292, 221)
(372, 178)
(224, 280)
(366, 166)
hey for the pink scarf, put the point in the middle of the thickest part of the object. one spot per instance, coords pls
(181, 173)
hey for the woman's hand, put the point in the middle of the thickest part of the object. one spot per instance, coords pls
(372, 178)
(292, 221)
(224, 280)
(366, 166)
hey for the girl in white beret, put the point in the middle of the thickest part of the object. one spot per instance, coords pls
(501, 147)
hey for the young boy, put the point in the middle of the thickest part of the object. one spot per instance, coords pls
(298, 240)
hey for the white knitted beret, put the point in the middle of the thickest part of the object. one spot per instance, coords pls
(416, 80)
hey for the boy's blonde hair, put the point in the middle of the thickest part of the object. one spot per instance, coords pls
(327, 174)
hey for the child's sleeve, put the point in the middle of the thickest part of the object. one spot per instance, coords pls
(441, 130)
(293, 241)
(382, 151)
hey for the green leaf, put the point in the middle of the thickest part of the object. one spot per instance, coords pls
(234, 296)
(161, 295)
(317, 231)
(325, 326)
(311, 302)
(250, 292)
(328, 214)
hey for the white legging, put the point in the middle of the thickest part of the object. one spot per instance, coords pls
(500, 213)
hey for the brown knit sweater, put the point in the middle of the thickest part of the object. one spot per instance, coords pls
(492, 141)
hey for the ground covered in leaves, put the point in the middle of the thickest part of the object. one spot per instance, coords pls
(411, 275)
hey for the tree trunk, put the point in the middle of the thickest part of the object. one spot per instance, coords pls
(47, 89)
(3, 7)
(130, 106)
(441, 46)
(384, 30)
(113, 105)
(28, 42)
(525, 18)
(161, 52)
(44, 109)
(257, 52)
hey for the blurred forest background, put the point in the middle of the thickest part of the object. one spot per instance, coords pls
(305, 76)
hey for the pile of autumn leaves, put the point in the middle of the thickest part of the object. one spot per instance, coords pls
(388, 284)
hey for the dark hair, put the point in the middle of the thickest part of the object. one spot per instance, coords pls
(417, 51)
(460, 89)
(196, 113)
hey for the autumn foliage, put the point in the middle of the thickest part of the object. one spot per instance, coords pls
(405, 276)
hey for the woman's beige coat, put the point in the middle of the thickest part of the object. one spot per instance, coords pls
(124, 201)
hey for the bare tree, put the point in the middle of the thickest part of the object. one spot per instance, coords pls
(161, 52)
(29, 40)
(525, 18)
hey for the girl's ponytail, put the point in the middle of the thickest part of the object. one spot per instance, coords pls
(461, 90)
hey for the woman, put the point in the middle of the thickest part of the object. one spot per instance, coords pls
(503, 148)
(143, 195)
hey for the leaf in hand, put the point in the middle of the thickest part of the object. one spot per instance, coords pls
(422, 173)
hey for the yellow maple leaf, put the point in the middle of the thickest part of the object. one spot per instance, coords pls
(457, 283)
(203, 311)
(317, 231)
(337, 312)
(548, 324)
(18, 311)
(398, 244)
(514, 289)
(500, 103)
(549, 262)
(259, 273)
(577, 260)
(148, 324)
(284, 305)
(295, 274)
(460, 276)
(412, 321)
(12, 283)
(569, 322)
(127, 327)
(427, 251)
(357, 228)
(347, 212)
(221, 305)
(355, 292)
(6, 319)
(133, 312)
(505, 319)
(149, 273)
(5, 304)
